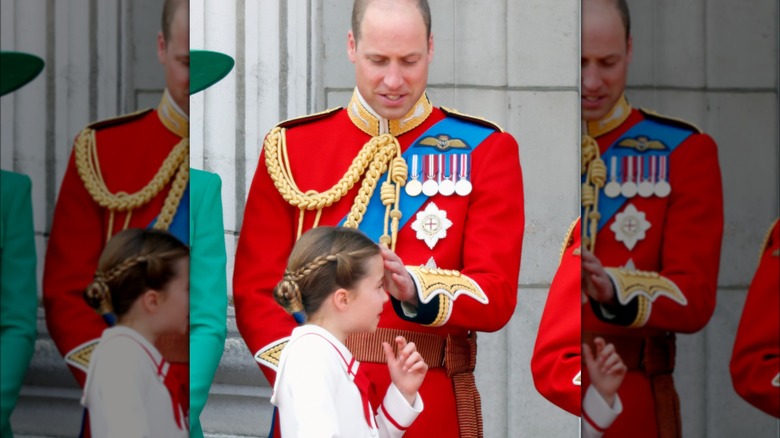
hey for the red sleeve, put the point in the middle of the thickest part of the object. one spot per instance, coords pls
(75, 244)
(493, 238)
(555, 363)
(693, 232)
(755, 362)
(265, 241)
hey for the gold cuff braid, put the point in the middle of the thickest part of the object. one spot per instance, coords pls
(645, 286)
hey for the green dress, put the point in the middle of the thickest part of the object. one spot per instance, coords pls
(18, 296)
(208, 289)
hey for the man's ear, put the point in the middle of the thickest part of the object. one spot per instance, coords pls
(161, 47)
(351, 47)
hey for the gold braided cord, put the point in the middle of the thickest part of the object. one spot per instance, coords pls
(88, 166)
(171, 204)
(596, 176)
(375, 157)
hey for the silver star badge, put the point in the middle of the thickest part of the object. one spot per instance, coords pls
(431, 225)
(630, 226)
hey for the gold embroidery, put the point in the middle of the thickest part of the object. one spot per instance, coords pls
(616, 116)
(446, 282)
(577, 380)
(371, 123)
(568, 241)
(765, 243)
(79, 357)
(271, 353)
(642, 143)
(644, 284)
(172, 117)
(643, 312)
(445, 308)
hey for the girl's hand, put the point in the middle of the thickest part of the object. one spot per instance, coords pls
(606, 369)
(407, 370)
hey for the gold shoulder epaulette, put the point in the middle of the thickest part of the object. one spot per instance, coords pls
(309, 117)
(118, 120)
(474, 119)
(767, 238)
(650, 114)
(568, 241)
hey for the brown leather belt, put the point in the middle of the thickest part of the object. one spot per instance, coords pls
(458, 356)
(175, 348)
(654, 356)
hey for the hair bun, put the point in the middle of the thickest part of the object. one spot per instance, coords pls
(288, 294)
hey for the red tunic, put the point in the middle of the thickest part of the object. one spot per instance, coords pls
(755, 362)
(679, 256)
(556, 361)
(483, 243)
(130, 151)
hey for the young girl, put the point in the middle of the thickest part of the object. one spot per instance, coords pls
(143, 278)
(335, 276)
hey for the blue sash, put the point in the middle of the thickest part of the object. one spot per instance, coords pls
(180, 225)
(670, 136)
(470, 133)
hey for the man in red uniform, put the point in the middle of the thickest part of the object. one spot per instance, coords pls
(441, 190)
(652, 218)
(755, 362)
(130, 171)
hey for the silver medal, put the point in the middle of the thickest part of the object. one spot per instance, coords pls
(612, 189)
(414, 187)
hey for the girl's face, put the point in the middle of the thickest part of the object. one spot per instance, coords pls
(175, 299)
(368, 297)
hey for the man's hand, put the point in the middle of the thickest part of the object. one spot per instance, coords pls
(595, 281)
(398, 281)
(606, 369)
(407, 370)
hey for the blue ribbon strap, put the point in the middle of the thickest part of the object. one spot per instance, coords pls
(470, 133)
(670, 136)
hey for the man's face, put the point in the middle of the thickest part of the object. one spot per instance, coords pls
(174, 55)
(391, 59)
(605, 57)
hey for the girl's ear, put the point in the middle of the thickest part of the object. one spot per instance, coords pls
(151, 300)
(340, 298)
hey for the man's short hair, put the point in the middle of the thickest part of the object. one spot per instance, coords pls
(622, 7)
(359, 10)
(169, 11)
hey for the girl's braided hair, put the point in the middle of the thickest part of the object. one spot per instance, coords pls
(324, 260)
(133, 261)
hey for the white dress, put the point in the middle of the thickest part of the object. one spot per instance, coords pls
(317, 397)
(125, 393)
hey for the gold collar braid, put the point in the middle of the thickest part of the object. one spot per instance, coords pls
(88, 166)
(595, 176)
(368, 121)
(376, 156)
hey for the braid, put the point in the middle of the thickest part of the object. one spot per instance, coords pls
(133, 261)
(288, 292)
(98, 294)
